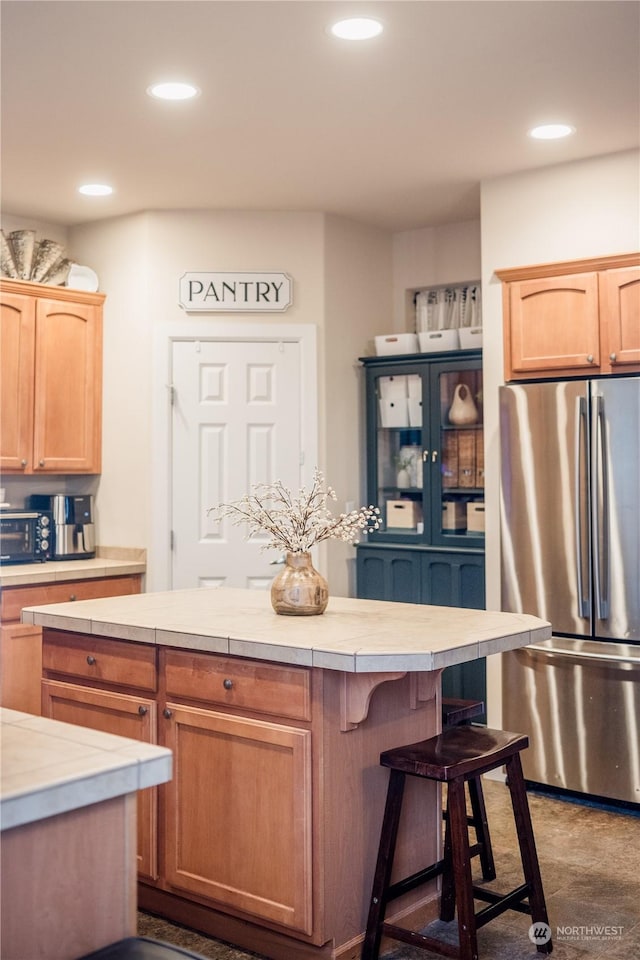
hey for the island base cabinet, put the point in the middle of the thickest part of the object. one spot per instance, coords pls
(125, 716)
(238, 813)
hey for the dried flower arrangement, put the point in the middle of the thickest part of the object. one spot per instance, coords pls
(296, 523)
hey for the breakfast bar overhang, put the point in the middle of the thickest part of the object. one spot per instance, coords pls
(266, 835)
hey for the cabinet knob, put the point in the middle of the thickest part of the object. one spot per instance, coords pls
(227, 684)
(166, 713)
(72, 597)
(143, 711)
(41, 463)
(91, 660)
(23, 463)
(590, 358)
(612, 357)
(434, 456)
(425, 456)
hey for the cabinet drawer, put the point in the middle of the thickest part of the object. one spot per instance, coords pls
(229, 681)
(116, 662)
(14, 599)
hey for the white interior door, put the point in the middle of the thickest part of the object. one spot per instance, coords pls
(236, 421)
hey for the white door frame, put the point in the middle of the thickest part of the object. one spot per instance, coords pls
(159, 556)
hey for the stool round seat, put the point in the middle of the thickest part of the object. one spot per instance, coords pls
(456, 752)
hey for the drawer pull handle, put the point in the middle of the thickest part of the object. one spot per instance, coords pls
(166, 713)
(143, 711)
(227, 684)
(91, 660)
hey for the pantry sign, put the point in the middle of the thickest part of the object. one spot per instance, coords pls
(235, 292)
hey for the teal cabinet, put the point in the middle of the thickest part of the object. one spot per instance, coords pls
(425, 472)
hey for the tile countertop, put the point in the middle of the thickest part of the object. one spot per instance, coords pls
(32, 574)
(49, 767)
(355, 636)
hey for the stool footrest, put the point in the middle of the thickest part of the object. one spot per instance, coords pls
(420, 940)
(499, 903)
(403, 886)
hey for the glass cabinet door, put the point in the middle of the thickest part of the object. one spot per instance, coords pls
(398, 464)
(425, 452)
(458, 442)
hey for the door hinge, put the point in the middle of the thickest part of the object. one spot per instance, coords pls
(302, 458)
(172, 394)
(171, 540)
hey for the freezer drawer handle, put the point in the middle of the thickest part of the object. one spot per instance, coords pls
(604, 657)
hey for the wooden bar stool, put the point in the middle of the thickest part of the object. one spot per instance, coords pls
(455, 713)
(455, 757)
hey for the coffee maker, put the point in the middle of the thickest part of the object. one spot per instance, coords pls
(72, 522)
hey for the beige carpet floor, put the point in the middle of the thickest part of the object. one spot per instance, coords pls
(590, 865)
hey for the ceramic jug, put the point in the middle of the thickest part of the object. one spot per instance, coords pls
(463, 410)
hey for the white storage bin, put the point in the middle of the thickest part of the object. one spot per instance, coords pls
(415, 412)
(414, 386)
(396, 343)
(431, 340)
(470, 337)
(394, 413)
(392, 387)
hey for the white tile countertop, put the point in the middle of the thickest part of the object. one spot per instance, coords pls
(48, 767)
(52, 571)
(356, 636)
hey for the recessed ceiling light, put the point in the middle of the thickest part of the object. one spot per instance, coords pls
(552, 131)
(95, 190)
(172, 91)
(356, 28)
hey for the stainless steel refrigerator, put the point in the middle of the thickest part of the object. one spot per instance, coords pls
(570, 544)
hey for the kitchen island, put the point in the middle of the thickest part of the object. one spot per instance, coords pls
(266, 836)
(67, 812)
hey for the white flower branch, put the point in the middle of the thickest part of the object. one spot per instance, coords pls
(296, 523)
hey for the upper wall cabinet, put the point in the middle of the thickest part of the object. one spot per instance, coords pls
(51, 387)
(572, 319)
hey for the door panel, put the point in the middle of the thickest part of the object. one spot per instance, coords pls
(540, 455)
(239, 813)
(616, 520)
(236, 422)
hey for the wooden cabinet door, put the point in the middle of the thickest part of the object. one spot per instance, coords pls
(68, 394)
(125, 716)
(552, 326)
(238, 813)
(17, 344)
(620, 318)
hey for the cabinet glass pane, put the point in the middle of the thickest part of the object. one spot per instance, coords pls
(399, 472)
(461, 453)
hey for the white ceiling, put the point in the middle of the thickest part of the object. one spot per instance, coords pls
(398, 131)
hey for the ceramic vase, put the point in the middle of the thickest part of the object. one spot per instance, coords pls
(299, 590)
(463, 411)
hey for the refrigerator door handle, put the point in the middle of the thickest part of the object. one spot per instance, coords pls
(600, 511)
(580, 464)
(582, 655)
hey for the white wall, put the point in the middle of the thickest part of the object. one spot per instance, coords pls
(357, 285)
(428, 258)
(566, 212)
(140, 260)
